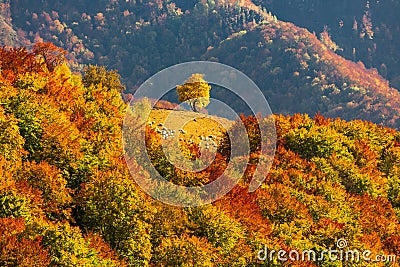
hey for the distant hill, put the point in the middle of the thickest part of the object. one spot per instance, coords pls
(297, 71)
(8, 35)
(366, 30)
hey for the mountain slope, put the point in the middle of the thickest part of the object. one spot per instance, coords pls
(366, 30)
(300, 74)
(296, 71)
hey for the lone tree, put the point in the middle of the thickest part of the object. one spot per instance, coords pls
(195, 91)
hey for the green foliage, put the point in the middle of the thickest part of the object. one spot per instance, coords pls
(13, 206)
(185, 251)
(220, 230)
(31, 81)
(109, 80)
(394, 190)
(313, 141)
(11, 142)
(67, 247)
(25, 110)
(112, 206)
(359, 180)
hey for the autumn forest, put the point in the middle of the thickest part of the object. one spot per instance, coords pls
(69, 71)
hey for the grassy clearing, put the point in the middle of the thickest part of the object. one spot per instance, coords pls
(194, 124)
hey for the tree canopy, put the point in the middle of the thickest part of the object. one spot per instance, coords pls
(67, 198)
(195, 91)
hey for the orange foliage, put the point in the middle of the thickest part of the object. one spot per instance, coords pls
(376, 216)
(242, 206)
(53, 56)
(103, 249)
(16, 250)
(49, 181)
(16, 61)
(278, 205)
(392, 244)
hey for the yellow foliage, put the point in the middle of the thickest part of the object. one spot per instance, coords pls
(195, 91)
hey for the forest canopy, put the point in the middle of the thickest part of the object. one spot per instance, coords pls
(67, 199)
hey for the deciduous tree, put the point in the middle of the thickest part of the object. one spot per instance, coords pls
(195, 91)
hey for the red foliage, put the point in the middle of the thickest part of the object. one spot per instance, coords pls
(163, 104)
(321, 120)
(216, 168)
(242, 206)
(392, 244)
(16, 61)
(376, 215)
(52, 55)
(105, 251)
(16, 250)
(278, 205)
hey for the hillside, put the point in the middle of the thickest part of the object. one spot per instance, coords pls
(365, 30)
(68, 199)
(300, 74)
(193, 124)
(139, 38)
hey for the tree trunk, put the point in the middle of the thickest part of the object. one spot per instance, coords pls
(194, 107)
